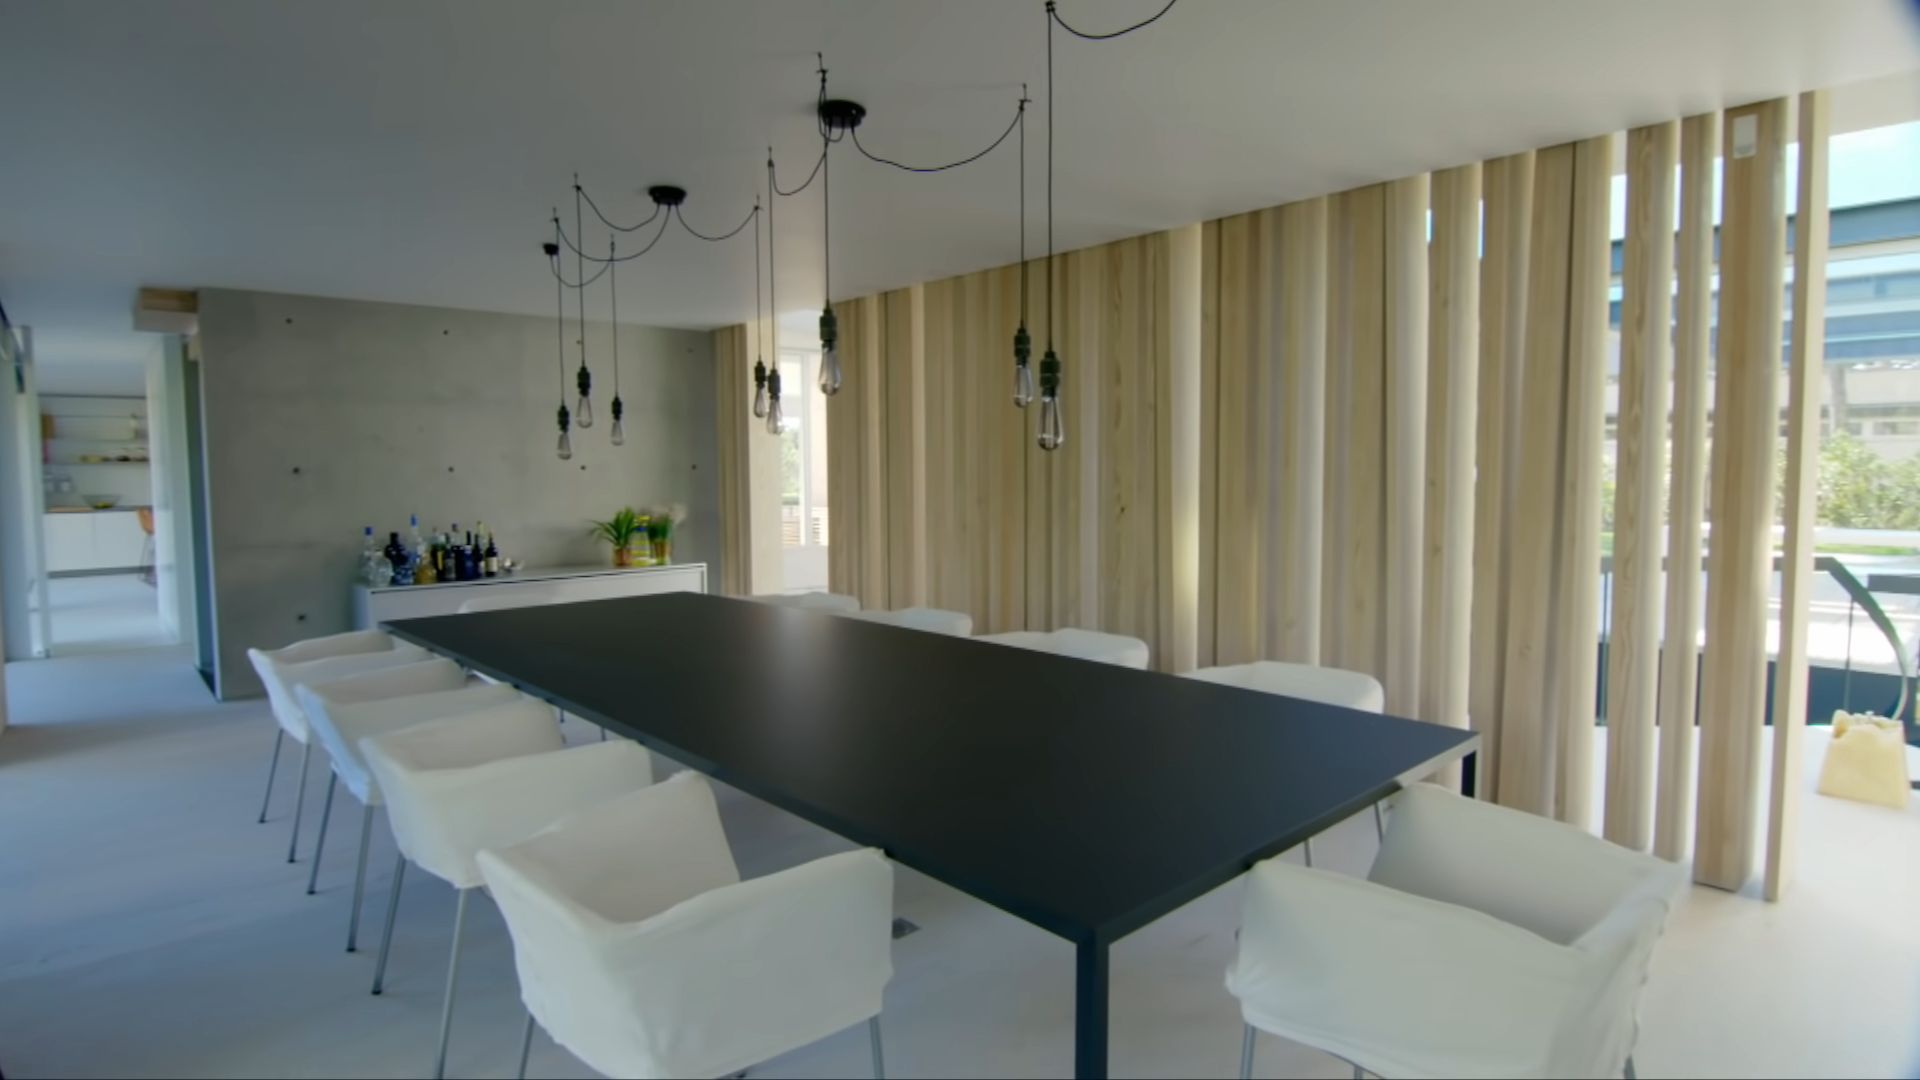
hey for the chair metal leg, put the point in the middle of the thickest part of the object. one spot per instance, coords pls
(359, 877)
(1246, 1052)
(320, 842)
(386, 936)
(526, 1047)
(1630, 1074)
(453, 974)
(300, 798)
(273, 765)
(1307, 846)
(1359, 1073)
(1379, 822)
(873, 1039)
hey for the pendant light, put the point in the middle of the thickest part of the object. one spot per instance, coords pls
(759, 330)
(1022, 340)
(761, 371)
(619, 432)
(1053, 431)
(583, 379)
(565, 447)
(837, 118)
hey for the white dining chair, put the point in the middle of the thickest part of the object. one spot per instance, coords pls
(345, 711)
(1328, 685)
(315, 659)
(812, 601)
(641, 951)
(1484, 942)
(932, 620)
(487, 779)
(1082, 644)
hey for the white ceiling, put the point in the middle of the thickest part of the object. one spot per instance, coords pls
(410, 152)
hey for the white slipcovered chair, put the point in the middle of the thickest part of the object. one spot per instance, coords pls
(1083, 644)
(344, 711)
(1331, 686)
(1484, 942)
(486, 779)
(812, 601)
(932, 620)
(641, 951)
(313, 660)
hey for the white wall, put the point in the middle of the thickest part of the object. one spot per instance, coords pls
(323, 415)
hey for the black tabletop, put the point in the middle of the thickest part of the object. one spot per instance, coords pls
(1085, 798)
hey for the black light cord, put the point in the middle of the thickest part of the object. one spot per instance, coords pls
(635, 227)
(1022, 120)
(559, 320)
(1051, 19)
(826, 218)
(804, 185)
(773, 265)
(580, 270)
(604, 263)
(729, 234)
(1150, 20)
(759, 330)
(613, 293)
(1019, 110)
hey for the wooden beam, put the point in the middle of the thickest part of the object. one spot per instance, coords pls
(1576, 670)
(903, 431)
(1452, 423)
(1529, 728)
(1506, 226)
(1356, 438)
(1680, 647)
(1177, 460)
(1745, 429)
(1646, 328)
(1405, 392)
(1294, 592)
(1807, 345)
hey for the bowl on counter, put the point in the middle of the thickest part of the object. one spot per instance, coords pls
(101, 502)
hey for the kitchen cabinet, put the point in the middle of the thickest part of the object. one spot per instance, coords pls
(85, 541)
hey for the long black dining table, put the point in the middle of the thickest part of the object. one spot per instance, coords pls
(1085, 798)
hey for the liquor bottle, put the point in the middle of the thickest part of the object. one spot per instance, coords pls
(491, 563)
(415, 544)
(374, 568)
(396, 554)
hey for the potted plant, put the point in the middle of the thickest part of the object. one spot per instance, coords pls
(619, 530)
(660, 531)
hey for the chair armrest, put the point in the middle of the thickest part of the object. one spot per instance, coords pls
(442, 819)
(1399, 984)
(1547, 876)
(744, 972)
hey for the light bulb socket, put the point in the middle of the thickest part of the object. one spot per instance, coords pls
(566, 419)
(583, 379)
(618, 408)
(1022, 346)
(829, 328)
(1050, 375)
(773, 384)
(759, 374)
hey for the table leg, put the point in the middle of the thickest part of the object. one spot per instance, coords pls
(1470, 774)
(1090, 1010)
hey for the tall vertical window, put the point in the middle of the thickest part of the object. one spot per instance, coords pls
(803, 452)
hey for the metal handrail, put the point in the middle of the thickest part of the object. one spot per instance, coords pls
(1862, 596)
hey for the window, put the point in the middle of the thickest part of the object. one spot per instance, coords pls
(803, 452)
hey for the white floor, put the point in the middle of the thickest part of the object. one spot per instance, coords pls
(103, 613)
(148, 927)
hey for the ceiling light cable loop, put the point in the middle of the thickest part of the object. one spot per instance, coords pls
(729, 234)
(604, 220)
(1054, 14)
(604, 261)
(1019, 111)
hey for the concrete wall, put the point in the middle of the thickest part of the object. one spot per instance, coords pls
(323, 415)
